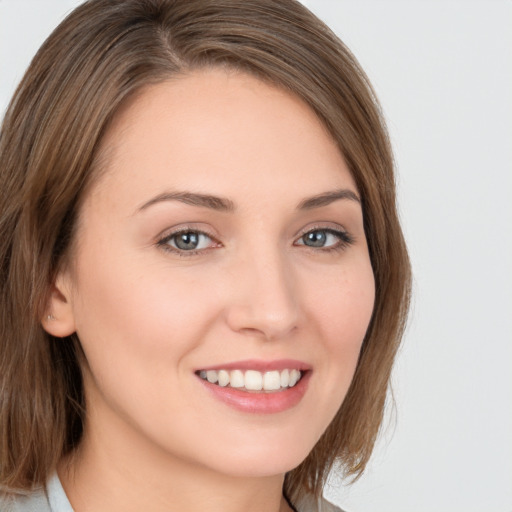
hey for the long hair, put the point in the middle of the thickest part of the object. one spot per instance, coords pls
(99, 56)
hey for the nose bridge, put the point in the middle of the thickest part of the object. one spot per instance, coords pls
(265, 300)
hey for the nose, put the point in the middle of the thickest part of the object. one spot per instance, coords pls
(265, 301)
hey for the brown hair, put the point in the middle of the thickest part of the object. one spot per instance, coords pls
(101, 54)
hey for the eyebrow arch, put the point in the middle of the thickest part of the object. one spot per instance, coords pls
(193, 199)
(226, 205)
(327, 198)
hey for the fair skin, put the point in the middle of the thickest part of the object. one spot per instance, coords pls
(263, 276)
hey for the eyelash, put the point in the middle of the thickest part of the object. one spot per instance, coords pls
(164, 242)
(344, 241)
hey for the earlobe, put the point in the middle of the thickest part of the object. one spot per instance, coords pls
(59, 319)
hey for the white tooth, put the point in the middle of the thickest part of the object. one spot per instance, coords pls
(223, 378)
(253, 380)
(237, 379)
(271, 381)
(285, 378)
(211, 375)
(202, 374)
(294, 377)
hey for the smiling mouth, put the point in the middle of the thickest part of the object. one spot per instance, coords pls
(253, 380)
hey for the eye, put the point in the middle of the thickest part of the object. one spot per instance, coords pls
(325, 239)
(189, 241)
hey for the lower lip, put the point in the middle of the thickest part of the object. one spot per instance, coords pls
(260, 402)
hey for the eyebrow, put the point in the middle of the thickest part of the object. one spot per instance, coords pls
(326, 198)
(226, 205)
(202, 200)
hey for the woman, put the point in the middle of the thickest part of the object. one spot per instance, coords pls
(204, 281)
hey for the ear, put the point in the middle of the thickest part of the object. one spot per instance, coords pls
(59, 318)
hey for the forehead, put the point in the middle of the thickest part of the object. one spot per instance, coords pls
(216, 129)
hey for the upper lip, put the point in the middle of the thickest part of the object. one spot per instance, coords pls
(260, 365)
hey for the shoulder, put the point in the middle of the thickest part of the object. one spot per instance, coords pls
(36, 501)
(309, 503)
(51, 498)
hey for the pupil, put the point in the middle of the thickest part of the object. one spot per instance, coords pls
(315, 239)
(187, 241)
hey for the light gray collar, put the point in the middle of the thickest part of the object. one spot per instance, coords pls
(56, 496)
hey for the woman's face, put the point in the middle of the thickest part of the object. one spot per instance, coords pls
(224, 240)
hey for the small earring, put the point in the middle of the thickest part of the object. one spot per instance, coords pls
(50, 317)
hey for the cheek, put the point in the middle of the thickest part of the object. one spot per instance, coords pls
(137, 328)
(343, 301)
(342, 313)
(142, 315)
(350, 310)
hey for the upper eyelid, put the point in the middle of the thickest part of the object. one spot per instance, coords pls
(169, 233)
(327, 226)
(328, 230)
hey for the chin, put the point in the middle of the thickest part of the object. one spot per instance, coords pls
(262, 460)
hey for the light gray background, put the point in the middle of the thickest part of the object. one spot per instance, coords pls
(443, 72)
